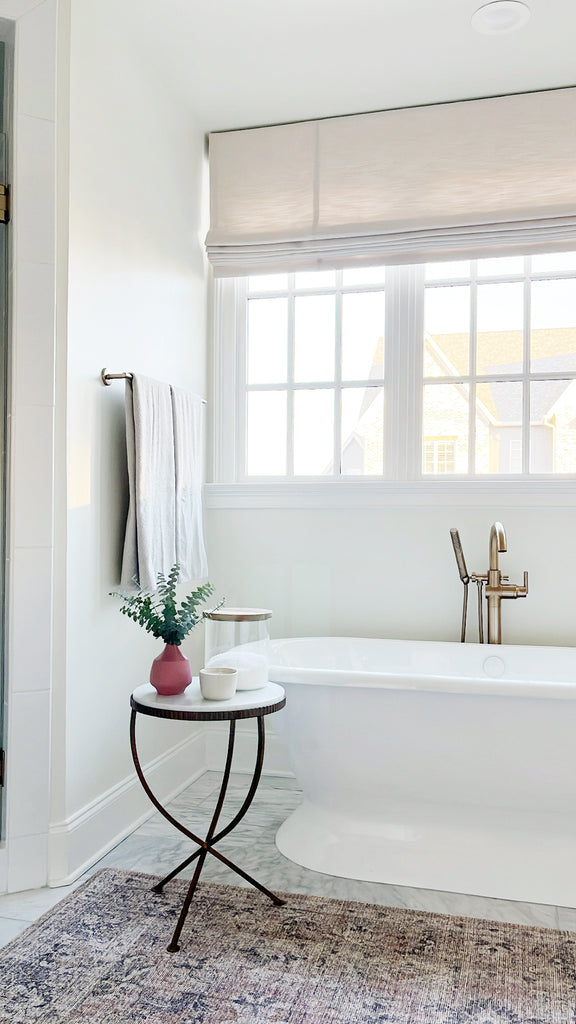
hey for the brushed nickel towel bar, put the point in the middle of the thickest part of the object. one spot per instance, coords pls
(108, 376)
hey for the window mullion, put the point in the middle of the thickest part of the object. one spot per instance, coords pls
(290, 379)
(404, 371)
(472, 368)
(226, 393)
(526, 439)
(239, 374)
(337, 466)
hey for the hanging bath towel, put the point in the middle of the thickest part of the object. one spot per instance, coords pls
(187, 415)
(150, 542)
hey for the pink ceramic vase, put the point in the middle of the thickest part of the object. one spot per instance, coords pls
(170, 673)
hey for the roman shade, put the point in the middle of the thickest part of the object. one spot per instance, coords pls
(444, 181)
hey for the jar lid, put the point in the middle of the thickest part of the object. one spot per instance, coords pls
(239, 614)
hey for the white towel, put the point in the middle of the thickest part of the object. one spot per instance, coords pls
(188, 441)
(150, 543)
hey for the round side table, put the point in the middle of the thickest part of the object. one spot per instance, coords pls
(191, 707)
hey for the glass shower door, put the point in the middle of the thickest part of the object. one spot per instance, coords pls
(4, 265)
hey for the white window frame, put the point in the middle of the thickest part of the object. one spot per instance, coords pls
(405, 485)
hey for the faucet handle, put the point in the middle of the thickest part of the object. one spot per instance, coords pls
(522, 591)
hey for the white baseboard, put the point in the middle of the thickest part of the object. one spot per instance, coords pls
(79, 841)
(275, 754)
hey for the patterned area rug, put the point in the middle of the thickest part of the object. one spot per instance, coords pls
(100, 956)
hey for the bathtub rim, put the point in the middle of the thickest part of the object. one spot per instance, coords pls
(458, 683)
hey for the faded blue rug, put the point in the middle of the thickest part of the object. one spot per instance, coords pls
(100, 957)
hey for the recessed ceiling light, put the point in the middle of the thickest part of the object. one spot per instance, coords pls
(500, 16)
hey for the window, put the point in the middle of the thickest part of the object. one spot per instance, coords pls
(463, 369)
(500, 363)
(315, 374)
(439, 455)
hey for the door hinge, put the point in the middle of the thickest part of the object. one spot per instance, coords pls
(4, 204)
(2, 760)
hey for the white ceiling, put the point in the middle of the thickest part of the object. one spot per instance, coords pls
(243, 63)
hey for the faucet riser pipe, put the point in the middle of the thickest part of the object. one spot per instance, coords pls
(494, 620)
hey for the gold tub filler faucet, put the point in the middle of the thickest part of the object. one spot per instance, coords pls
(493, 584)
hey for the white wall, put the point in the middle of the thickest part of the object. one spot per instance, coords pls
(392, 572)
(136, 301)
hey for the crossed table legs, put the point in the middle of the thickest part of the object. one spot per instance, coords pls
(206, 845)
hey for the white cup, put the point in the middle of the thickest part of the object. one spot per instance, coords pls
(218, 683)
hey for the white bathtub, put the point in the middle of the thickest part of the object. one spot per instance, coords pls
(437, 765)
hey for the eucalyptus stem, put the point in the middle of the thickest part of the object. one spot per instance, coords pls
(159, 613)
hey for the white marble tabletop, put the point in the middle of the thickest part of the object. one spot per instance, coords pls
(192, 701)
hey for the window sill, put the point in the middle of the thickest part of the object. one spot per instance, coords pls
(506, 492)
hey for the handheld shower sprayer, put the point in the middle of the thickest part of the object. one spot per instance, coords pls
(460, 560)
(463, 571)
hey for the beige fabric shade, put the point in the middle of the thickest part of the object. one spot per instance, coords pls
(435, 182)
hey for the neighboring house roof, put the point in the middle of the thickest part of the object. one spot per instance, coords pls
(548, 341)
(500, 403)
(542, 398)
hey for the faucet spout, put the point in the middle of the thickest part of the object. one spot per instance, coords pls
(497, 590)
(497, 543)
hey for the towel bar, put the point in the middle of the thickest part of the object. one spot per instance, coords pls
(108, 376)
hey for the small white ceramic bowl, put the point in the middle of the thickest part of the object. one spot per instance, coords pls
(218, 683)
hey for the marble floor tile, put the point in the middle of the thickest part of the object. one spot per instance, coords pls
(199, 790)
(29, 905)
(241, 780)
(156, 847)
(279, 782)
(269, 807)
(10, 928)
(196, 820)
(474, 906)
(211, 782)
(154, 855)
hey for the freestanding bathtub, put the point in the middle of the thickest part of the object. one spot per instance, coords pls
(438, 765)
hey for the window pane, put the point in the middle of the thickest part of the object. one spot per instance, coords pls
(313, 432)
(266, 441)
(315, 279)
(553, 426)
(267, 341)
(499, 339)
(445, 428)
(363, 335)
(455, 270)
(446, 331)
(268, 283)
(314, 338)
(553, 326)
(499, 427)
(503, 266)
(363, 275)
(362, 431)
(551, 261)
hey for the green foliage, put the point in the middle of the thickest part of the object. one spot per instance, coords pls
(158, 612)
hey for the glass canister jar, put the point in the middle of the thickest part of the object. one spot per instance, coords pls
(239, 638)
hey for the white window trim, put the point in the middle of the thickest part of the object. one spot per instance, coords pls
(496, 495)
(415, 490)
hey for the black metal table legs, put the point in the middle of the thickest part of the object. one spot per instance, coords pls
(206, 846)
